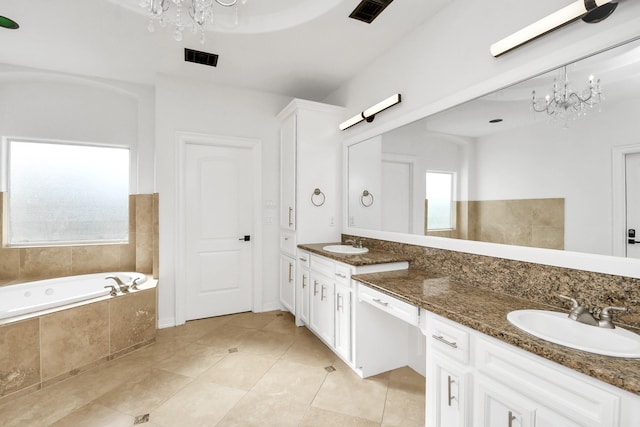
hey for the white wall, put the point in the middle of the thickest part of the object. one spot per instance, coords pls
(192, 106)
(54, 106)
(447, 61)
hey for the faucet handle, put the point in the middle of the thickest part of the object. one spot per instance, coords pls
(113, 291)
(574, 303)
(606, 317)
(606, 311)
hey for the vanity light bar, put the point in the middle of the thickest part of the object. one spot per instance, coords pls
(547, 24)
(370, 113)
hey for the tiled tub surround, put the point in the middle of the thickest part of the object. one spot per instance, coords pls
(140, 254)
(39, 350)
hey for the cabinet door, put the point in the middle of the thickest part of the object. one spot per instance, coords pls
(303, 294)
(343, 322)
(500, 406)
(446, 393)
(288, 173)
(321, 310)
(287, 282)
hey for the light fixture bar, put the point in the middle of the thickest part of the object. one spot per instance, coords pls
(370, 113)
(549, 23)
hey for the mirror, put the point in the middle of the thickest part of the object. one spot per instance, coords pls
(497, 171)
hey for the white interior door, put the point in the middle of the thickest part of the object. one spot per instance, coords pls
(218, 213)
(632, 172)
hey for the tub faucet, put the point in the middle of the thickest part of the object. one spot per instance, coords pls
(113, 291)
(124, 288)
(134, 283)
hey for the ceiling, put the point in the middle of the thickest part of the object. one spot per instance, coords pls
(298, 48)
(618, 69)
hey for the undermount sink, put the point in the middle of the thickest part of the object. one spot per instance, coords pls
(345, 249)
(558, 328)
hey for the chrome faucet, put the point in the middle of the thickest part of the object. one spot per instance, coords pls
(134, 283)
(594, 316)
(355, 243)
(122, 287)
(113, 291)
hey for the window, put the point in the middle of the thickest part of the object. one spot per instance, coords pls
(60, 193)
(440, 201)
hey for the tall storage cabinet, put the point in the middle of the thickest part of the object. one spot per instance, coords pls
(310, 183)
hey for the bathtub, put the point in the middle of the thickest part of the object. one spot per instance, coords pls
(31, 297)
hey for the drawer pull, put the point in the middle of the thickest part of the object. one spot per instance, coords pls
(339, 305)
(511, 418)
(341, 275)
(322, 293)
(290, 217)
(315, 288)
(379, 301)
(445, 341)
(304, 281)
(290, 272)
(302, 259)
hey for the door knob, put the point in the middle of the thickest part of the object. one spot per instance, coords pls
(246, 238)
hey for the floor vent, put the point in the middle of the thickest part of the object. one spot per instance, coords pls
(368, 10)
(204, 58)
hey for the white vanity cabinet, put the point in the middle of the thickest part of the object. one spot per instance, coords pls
(479, 381)
(302, 289)
(310, 159)
(288, 282)
(329, 295)
(321, 308)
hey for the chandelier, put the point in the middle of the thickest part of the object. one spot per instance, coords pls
(564, 103)
(193, 15)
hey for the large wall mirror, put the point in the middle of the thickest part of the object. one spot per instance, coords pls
(495, 170)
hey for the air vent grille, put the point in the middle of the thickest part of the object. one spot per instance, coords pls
(204, 58)
(368, 10)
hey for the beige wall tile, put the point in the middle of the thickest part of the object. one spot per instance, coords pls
(133, 319)
(19, 356)
(144, 213)
(9, 264)
(45, 262)
(74, 338)
(87, 259)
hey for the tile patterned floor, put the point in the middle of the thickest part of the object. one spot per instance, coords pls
(248, 369)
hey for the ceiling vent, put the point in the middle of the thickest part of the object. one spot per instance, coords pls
(204, 58)
(368, 10)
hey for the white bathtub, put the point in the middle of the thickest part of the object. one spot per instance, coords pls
(31, 297)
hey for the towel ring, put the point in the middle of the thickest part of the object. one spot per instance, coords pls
(366, 194)
(317, 192)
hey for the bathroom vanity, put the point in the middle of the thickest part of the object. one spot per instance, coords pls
(330, 304)
(376, 314)
(482, 371)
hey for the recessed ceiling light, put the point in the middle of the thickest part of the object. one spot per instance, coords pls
(8, 23)
(495, 120)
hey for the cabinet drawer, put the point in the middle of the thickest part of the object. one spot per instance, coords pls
(448, 339)
(323, 266)
(391, 305)
(576, 397)
(343, 275)
(304, 259)
(288, 243)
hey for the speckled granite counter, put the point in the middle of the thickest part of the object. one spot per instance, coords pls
(374, 256)
(486, 311)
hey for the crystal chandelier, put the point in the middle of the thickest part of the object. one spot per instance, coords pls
(564, 103)
(189, 14)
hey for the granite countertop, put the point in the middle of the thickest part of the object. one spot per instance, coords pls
(374, 256)
(486, 311)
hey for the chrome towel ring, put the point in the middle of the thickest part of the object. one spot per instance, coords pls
(316, 195)
(366, 199)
